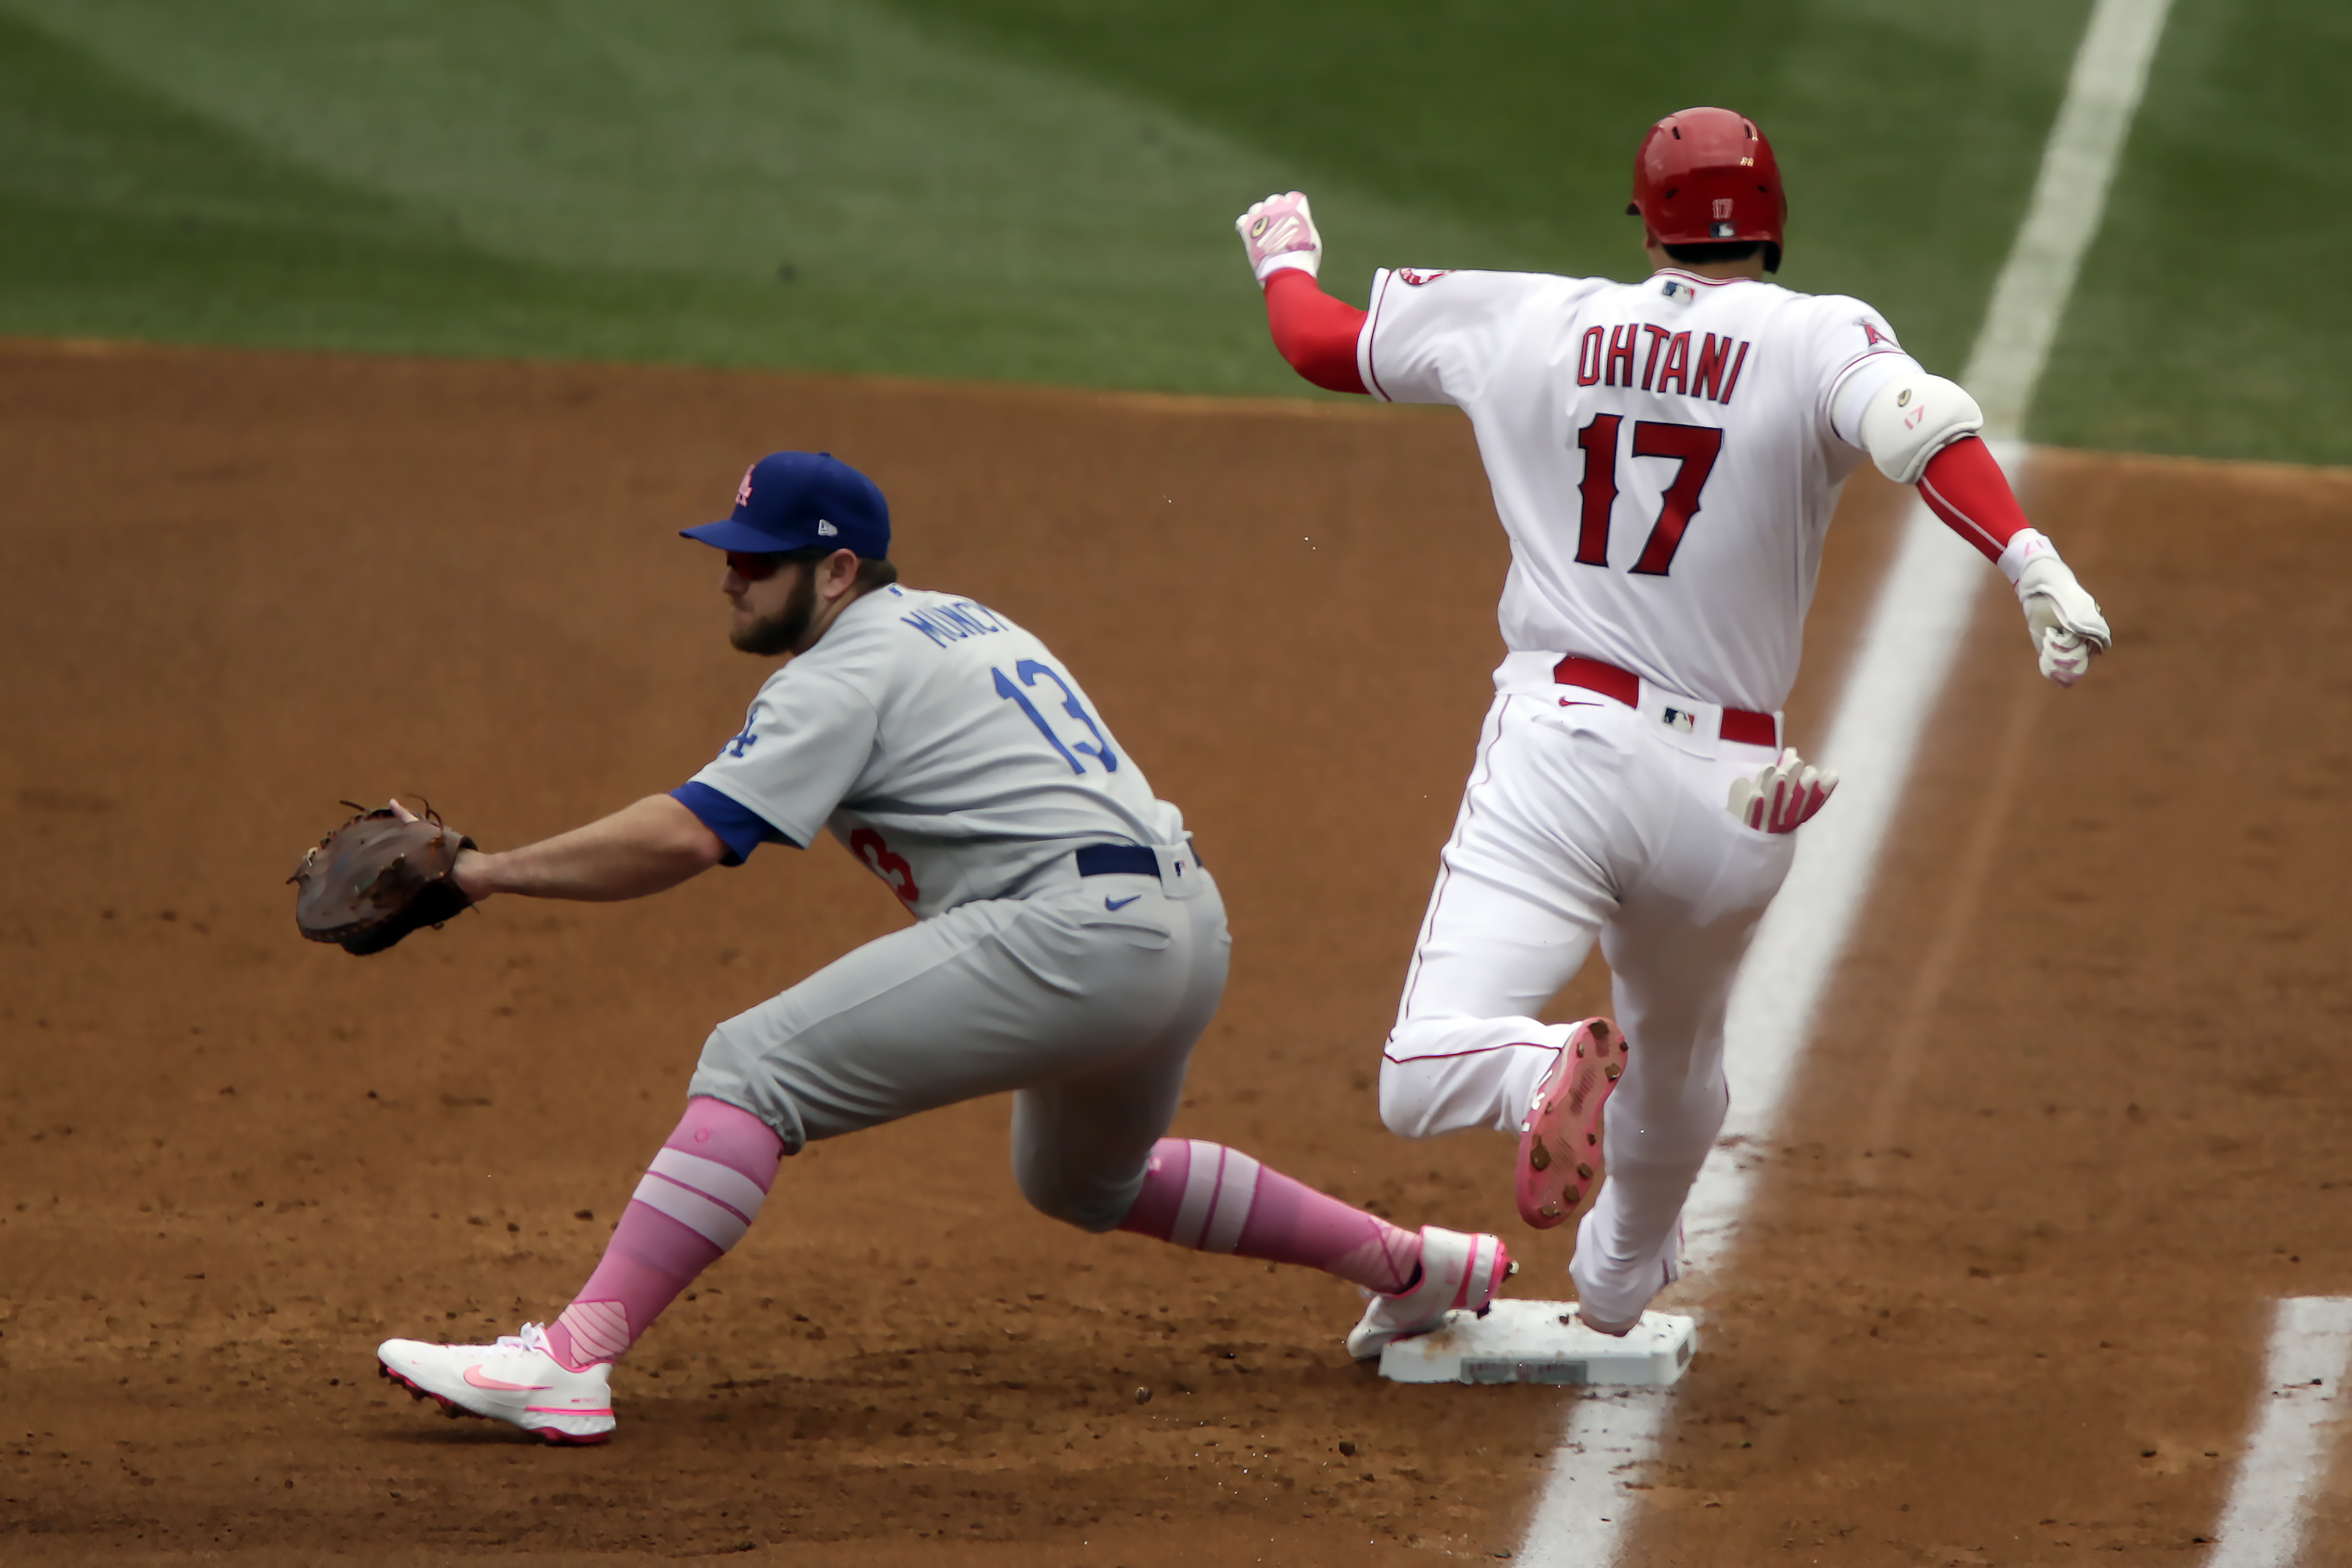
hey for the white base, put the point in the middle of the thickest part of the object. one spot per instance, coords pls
(1541, 1341)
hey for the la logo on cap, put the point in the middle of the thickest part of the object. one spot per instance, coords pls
(743, 490)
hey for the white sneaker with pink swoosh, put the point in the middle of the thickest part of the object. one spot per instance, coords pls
(517, 1380)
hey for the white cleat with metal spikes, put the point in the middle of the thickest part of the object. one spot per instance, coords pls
(517, 1380)
(1457, 1270)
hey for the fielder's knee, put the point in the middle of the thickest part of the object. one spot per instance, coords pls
(730, 1074)
(1089, 1205)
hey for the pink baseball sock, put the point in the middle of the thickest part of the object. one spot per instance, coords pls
(1216, 1199)
(701, 1194)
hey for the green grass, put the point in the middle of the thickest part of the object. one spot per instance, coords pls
(1518, 122)
(2209, 318)
(1041, 190)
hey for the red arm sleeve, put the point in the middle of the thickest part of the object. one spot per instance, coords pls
(1964, 486)
(1315, 333)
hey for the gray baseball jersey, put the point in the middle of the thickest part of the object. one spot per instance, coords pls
(944, 745)
(962, 764)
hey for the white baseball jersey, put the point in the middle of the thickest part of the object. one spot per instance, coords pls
(1664, 455)
(944, 745)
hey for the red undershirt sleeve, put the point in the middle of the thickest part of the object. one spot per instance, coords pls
(1964, 486)
(1315, 332)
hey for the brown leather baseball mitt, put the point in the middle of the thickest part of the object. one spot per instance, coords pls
(377, 878)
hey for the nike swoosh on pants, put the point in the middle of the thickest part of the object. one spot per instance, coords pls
(1121, 903)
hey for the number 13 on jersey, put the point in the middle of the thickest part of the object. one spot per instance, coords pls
(1030, 670)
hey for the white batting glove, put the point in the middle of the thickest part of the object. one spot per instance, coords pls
(2061, 618)
(1279, 232)
(1783, 797)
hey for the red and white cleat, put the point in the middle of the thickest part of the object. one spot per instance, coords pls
(515, 1380)
(1559, 1142)
(1457, 1271)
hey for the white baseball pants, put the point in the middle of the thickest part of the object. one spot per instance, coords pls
(1586, 818)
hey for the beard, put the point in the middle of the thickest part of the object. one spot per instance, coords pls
(781, 632)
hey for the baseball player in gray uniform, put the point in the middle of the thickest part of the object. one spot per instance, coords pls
(1068, 946)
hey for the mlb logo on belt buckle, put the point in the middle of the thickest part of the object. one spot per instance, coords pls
(1677, 719)
(1180, 869)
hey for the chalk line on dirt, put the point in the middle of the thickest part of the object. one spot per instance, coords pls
(2310, 1351)
(1898, 671)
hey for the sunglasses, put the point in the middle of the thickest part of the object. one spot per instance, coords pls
(753, 568)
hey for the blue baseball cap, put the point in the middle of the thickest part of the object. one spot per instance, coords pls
(790, 500)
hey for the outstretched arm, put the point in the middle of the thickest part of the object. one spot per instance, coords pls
(643, 848)
(1920, 430)
(1314, 331)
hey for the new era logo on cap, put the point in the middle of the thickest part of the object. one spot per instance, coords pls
(825, 529)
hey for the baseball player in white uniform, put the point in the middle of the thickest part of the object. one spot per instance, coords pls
(1665, 457)
(1068, 946)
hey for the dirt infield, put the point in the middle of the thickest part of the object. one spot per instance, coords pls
(2071, 1126)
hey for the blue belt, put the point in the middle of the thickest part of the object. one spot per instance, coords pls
(1120, 861)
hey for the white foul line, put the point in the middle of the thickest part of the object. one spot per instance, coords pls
(1897, 673)
(2311, 1346)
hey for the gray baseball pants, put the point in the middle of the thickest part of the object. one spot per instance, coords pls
(1083, 998)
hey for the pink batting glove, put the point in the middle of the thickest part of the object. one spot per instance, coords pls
(1782, 797)
(1279, 232)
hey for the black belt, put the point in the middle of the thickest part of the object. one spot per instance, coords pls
(1120, 861)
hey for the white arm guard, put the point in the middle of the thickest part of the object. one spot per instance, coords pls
(1911, 418)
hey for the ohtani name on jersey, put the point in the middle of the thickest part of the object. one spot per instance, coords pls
(1607, 356)
(945, 623)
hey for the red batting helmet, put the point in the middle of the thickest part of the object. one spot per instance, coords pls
(1705, 176)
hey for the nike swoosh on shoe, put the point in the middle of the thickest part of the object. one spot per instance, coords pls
(474, 1376)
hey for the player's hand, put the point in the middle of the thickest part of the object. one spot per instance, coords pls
(1782, 797)
(469, 872)
(1279, 232)
(2063, 620)
(377, 878)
